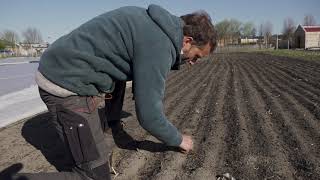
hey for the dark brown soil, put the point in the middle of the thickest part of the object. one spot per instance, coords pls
(251, 115)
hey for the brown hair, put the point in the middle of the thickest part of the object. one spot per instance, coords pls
(198, 25)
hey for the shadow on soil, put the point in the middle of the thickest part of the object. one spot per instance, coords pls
(10, 172)
(41, 133)
(124, 141)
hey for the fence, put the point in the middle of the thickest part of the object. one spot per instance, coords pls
(241, 48)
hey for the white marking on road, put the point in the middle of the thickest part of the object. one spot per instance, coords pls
(19, 105)
(3, 64)
(15, 77)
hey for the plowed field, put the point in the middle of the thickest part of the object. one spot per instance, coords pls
(251, 115)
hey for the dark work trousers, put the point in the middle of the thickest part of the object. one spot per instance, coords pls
(114, 105)
(77, 120)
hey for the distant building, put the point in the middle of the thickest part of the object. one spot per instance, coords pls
(283, 42)
(225, 41)
(248, 40)
(24, 49)
(35, 49)
(307, 37)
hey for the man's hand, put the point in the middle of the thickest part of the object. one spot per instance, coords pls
(186, 144)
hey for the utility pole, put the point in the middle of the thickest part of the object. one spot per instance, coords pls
(277, 43)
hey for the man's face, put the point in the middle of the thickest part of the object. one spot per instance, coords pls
(192, 53)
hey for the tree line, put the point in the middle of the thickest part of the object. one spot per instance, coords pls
(10, 38)
(230, 30)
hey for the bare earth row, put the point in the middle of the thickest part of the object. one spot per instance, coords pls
(251, 115)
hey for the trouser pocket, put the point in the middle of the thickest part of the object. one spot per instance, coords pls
(78, 135)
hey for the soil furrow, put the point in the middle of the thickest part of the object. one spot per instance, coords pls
(233, 152)
(292, 63)
(205, 126)
(185, 94)
(265, 145)
(254, 116)
(257, 158)
(188, 77)
(309, 90)
(187, 118)
(215, 138)
(304, 165)
(310, 78)
(303, 117)
(311, 103)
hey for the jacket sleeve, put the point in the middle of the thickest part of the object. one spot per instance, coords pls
(150, 69)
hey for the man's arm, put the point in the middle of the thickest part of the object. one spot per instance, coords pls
(150, 68)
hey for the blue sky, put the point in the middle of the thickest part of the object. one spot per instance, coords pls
(55, 18)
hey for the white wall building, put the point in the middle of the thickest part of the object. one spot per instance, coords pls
(36, 49)
(247, 40)
(307, 37)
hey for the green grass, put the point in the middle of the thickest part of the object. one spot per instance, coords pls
(300, 54)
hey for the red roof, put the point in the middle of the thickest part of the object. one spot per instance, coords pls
(312, 29)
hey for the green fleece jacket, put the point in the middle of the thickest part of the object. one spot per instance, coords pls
(129, 43)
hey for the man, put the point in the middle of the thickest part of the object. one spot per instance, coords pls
(94, 61)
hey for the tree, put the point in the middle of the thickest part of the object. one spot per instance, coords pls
(10, 36)
(32, 35)
(267, 31)
(309, 20)
(248, 29)
(2, 45)
(253, 32)
(261, 33)
(261, 30)
(222, 28)
(228, 30)
(234, 29)
(288, 29)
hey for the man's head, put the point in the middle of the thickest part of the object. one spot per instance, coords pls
(200, 37)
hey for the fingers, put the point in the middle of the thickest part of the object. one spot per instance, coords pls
(187, 144)
(184, 151)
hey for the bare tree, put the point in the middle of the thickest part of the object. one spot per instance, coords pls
(288, 30)
(234, 29)
(261, 33)
(10, 36)
(267, 31)
(309, 20)
(32, 35)
(253, 32)
(222, 29)
(288, 27)
(261, 30)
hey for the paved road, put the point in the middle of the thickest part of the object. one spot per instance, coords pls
(17, 74)
(19, 97)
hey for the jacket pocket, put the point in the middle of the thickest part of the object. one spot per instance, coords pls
(79, 136)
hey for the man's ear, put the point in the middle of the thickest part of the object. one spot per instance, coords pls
(187, 40)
